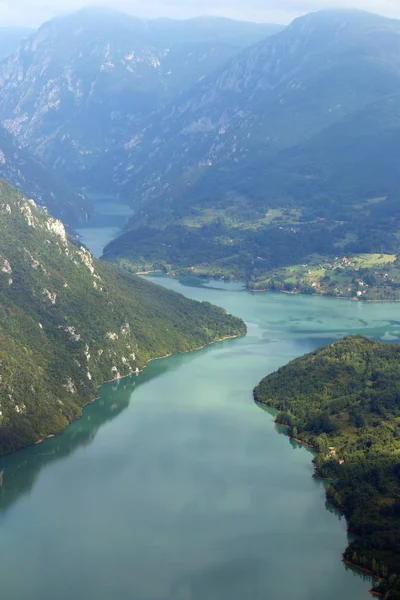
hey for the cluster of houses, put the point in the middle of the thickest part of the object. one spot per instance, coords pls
(332, 452)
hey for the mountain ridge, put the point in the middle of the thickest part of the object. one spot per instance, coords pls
(73, 89)
(279, 130)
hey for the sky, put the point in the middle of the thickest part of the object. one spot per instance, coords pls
(34, 12)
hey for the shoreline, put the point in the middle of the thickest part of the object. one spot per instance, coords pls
(354, 566)
(344, 560)
(51, 435)
(321, 296)
(227, 337)
(265, 291)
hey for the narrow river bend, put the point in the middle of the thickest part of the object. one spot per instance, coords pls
(176, 486)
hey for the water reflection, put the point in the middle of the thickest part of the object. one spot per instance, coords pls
(331, 508)
(19, 471)
(190, 494)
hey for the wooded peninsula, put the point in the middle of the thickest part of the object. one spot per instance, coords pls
(344, 400)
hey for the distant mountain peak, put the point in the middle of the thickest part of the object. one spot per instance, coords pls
(86, 82)
(351, 16)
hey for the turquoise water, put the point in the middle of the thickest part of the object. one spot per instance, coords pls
(104, 224)
(176, 486)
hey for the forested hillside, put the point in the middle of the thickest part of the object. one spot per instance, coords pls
(69, 322)
(286, 156)
(344, 400)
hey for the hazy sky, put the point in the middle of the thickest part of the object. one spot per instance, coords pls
(34, 12)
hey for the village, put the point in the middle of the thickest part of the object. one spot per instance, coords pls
(368, 277)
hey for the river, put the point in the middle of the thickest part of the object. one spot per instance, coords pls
(176, 486)
(104, 224)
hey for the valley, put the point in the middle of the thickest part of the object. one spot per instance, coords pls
(105, 222)
(154, 175)
(176, 469)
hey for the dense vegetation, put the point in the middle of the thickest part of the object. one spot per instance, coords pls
(344, 400)
(69, 322)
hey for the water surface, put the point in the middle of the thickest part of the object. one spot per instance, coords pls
(176, 486)
(105, 223)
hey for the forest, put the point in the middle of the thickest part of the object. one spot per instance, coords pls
(68, 323)
(344, 400)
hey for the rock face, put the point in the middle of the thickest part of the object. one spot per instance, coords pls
(10, 37)
(69, 322)
(274, 95)
(23, 170)
(84, 83)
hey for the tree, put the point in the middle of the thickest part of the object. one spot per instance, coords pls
(323, 443)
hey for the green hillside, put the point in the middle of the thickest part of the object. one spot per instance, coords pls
(344, 400)
(69, 322)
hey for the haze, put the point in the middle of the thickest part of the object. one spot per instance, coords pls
(26, 13)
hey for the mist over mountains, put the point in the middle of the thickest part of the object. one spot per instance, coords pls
(208, 125)
(84, 84)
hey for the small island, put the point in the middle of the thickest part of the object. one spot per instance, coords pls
(344, 401)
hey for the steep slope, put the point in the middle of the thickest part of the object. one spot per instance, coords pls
(344, 400)
(69, 322)
(300, 122)
(74, 89)
(10, 37)
(46, 187)
(277, 93)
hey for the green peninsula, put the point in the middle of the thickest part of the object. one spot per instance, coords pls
(68, 323)
(344, 400)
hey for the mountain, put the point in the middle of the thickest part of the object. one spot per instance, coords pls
(254, 167)
(344, 400)
(69, 322)
(46, 187)
(75, 88)
(10, 37)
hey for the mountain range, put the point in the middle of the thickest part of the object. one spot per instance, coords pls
(83, 84)
(274, 157)
(244, 148)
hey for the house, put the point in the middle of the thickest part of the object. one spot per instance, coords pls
(341, 461)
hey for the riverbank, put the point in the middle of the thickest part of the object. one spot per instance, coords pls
(320, 294)
(178, 457)
(330, 401)
(135, 372)
(337, 506)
